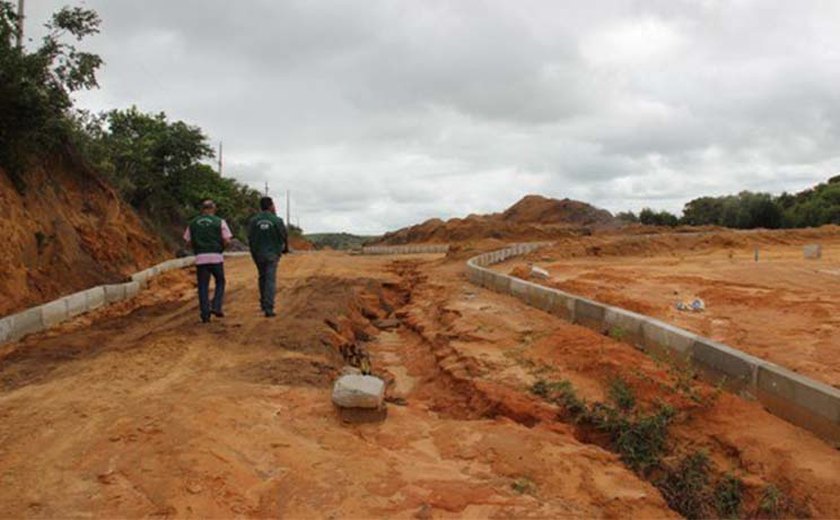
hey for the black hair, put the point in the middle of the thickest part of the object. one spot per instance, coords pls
(266, 203)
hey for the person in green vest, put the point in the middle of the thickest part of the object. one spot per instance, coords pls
(209, 235)
(268, 240)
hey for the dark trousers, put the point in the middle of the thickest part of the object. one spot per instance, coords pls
(267, 268)
(203, 273)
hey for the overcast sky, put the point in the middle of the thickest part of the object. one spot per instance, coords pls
(378, 114)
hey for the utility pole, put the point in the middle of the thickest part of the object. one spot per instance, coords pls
(220, 154)
(266, 188)
(20, 24)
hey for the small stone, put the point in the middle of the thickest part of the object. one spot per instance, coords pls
(355, 391)
(194, 488)
(539, 273)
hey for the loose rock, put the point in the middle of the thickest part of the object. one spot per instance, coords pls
(539, 273)
(355, 391)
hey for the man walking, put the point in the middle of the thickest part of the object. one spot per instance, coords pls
(209, 235)
(268, 240)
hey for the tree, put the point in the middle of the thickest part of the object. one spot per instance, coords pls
(627, 216)
(35, 87)
(650, 217)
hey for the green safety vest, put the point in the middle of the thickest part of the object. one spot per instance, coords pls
(206, 234)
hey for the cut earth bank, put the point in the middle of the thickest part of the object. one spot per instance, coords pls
(135, 410)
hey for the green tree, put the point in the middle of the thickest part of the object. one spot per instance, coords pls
(35, 87)
(650, 217)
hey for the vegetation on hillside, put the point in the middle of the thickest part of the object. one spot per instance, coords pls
(813, 207)
(35, 86)
(339, 241)
(157, 165)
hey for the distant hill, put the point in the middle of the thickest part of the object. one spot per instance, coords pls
(339, 241)
(533, 218)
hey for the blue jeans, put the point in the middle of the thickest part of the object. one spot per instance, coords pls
(203, 273)
(267, 268)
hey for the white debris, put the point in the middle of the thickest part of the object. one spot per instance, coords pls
(539, 273)
(697, 305)
(355, 391)
(812, 251)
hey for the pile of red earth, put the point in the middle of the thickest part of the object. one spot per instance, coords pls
(532, 218)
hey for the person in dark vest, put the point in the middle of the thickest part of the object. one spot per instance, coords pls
(209, 235)
(268, 240)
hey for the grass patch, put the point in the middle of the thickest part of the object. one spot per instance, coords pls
(728, 495)
(523, 486)
(640, 438)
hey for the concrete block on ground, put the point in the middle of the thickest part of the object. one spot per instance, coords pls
(5, 329)
(168, 265)
(590, 314)
(519, 288)
(662, 339)
(624, 325)
(54, 312)
(26, 322)
(719, 362)
(76, 303)
(501, 283)
(142, 277)
(354, 391)
(114, 293)
(562, 305)
(95, 298)
(540, 297)
(488, 279)
(188, 261)
(132, 289)
(800, 400)
(812, 251)
(474, 274)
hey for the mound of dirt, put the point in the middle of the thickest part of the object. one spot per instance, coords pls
(300, 244)
(628, 243)
(533, 218)
(65, 231)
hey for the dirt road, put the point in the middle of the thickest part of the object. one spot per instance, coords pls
(138, 410)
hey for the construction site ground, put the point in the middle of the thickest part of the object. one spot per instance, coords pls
(138, 410)
(780, 307)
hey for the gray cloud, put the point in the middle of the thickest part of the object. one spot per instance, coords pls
(379, 114)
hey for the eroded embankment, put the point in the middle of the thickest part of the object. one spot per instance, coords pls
(709, 453)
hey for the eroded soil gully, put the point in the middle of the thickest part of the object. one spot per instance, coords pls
(457, 384)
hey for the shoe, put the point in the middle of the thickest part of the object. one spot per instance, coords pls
(270, 314)
(205, 319)
(218, 314)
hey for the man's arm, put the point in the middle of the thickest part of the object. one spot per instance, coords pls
(226, 234)
(187, 236)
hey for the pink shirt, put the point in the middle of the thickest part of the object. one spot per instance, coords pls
(210, 258)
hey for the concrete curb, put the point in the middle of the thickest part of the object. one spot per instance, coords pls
(804, 402)
(50, 314)
(406, 250)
